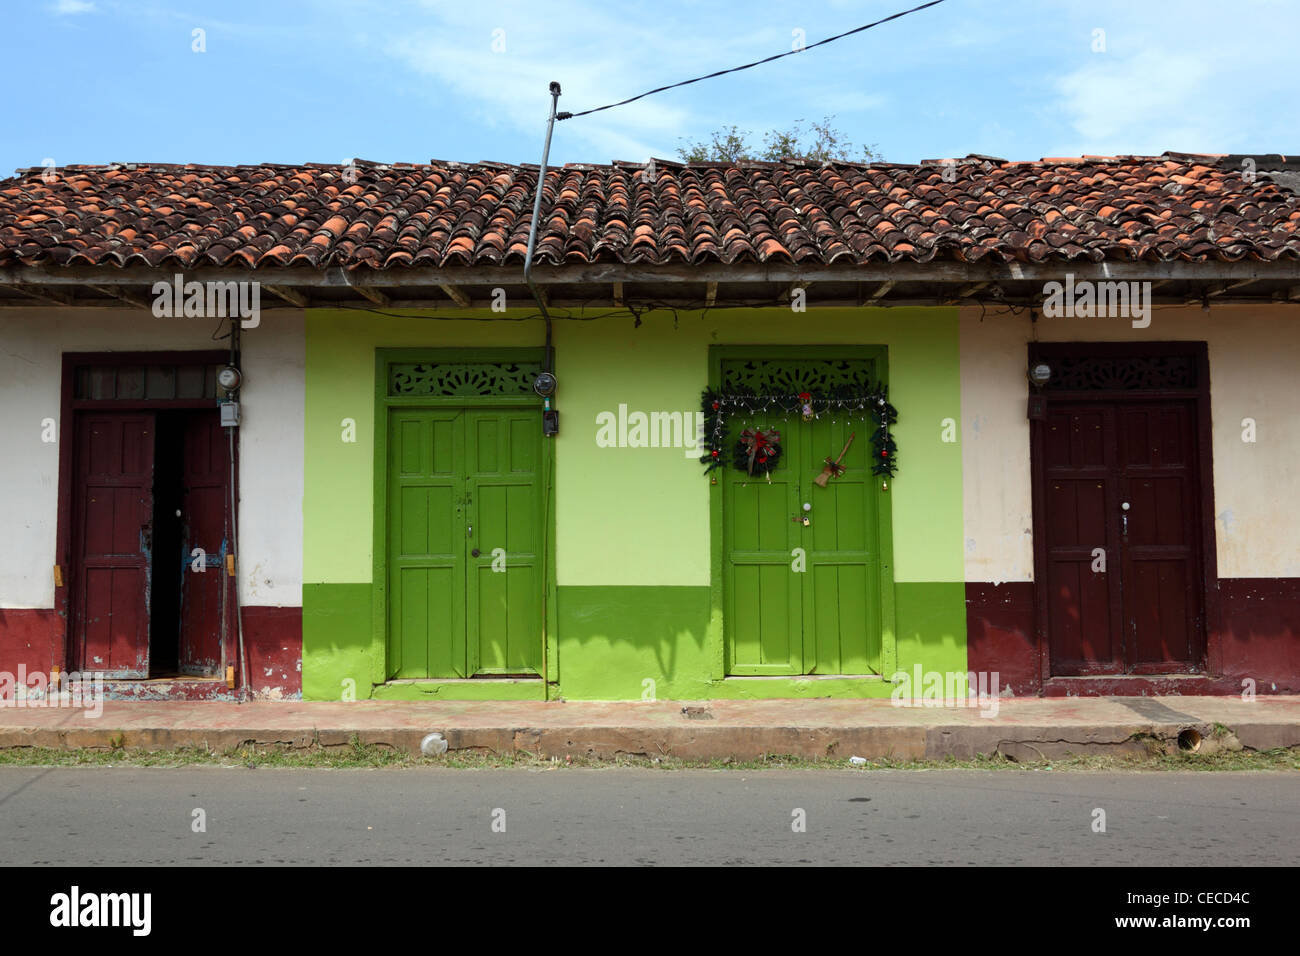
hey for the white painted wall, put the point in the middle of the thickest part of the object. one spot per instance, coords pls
(1254, 355)
(32, 343)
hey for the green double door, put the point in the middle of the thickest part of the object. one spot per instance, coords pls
(804, 598)
(465, 543)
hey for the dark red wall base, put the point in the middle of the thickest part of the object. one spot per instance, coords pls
(34, 638)
(1000, 634)
(1259, 633)
(1257, 638)
(273, 642)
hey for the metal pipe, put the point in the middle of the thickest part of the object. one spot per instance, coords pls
(235, 359)
(547, 363)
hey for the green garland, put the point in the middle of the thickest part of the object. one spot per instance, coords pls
(719, 407)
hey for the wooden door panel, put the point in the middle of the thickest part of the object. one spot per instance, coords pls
(1160, 535)
(846, 611)
(205, 476)
(112, 546)
(842, 632)
(1079, 498)
(1079, 606)
(1159, 610)
(763, 596)
(426, 545)
(503, 486)
(1076, 515)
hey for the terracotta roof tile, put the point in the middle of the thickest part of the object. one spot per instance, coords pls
(1175, 206)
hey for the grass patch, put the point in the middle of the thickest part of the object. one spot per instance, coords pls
(358, 756)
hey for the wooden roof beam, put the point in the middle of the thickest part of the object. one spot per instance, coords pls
(59, 298)
(374, 295)
(1219, 288)
(292, 296)
(967, 290)
(455, 293)
(881, 290)
(117, 292)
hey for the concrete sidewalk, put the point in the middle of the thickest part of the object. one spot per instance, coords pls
(1023, 729)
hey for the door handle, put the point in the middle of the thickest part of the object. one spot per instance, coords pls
(1123, 518)
(469, 531)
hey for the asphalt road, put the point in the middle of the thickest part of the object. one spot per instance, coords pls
(622, 816)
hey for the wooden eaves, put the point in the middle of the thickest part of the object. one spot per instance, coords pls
(601, 287)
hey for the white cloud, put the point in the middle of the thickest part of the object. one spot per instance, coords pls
(1195, 83)
(598, 58)
(1150, 102)
(67, 7)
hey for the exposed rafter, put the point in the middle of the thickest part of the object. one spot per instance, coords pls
(967, 290)
(455, 293)
(125, 295)
(292, 296)
(881, 290)
(374, 295)
(46, 295)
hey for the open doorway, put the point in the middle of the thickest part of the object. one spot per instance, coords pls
(147, 492)
(168, 557)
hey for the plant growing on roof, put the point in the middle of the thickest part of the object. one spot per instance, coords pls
(818, 142)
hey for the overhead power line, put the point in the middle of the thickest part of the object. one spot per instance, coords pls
(737, 69)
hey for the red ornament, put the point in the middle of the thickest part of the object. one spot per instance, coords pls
(715, 406)
(714, 453)
(884, 454)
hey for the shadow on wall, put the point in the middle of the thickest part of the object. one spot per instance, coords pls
(614, 639)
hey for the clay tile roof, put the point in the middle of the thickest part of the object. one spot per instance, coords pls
(374, 216)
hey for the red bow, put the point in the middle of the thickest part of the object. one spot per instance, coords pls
(760, 444)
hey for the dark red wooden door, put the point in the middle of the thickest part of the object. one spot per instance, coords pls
(1121, 501)
(113, 548)
(1160, 536)
(205, 487)
(1083, 604)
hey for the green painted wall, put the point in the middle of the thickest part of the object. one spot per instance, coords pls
(632, 524)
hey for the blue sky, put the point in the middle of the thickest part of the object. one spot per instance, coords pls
(290, 81)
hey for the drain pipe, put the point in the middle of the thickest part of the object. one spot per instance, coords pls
(547, 362)
(234, 522)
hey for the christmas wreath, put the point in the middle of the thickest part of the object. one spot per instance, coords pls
(718, 407)
(758, 450)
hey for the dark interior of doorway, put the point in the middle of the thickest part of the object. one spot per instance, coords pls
(168, 545)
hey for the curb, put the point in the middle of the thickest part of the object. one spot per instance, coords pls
(696, 742)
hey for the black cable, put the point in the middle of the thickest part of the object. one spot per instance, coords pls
(737, 69)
